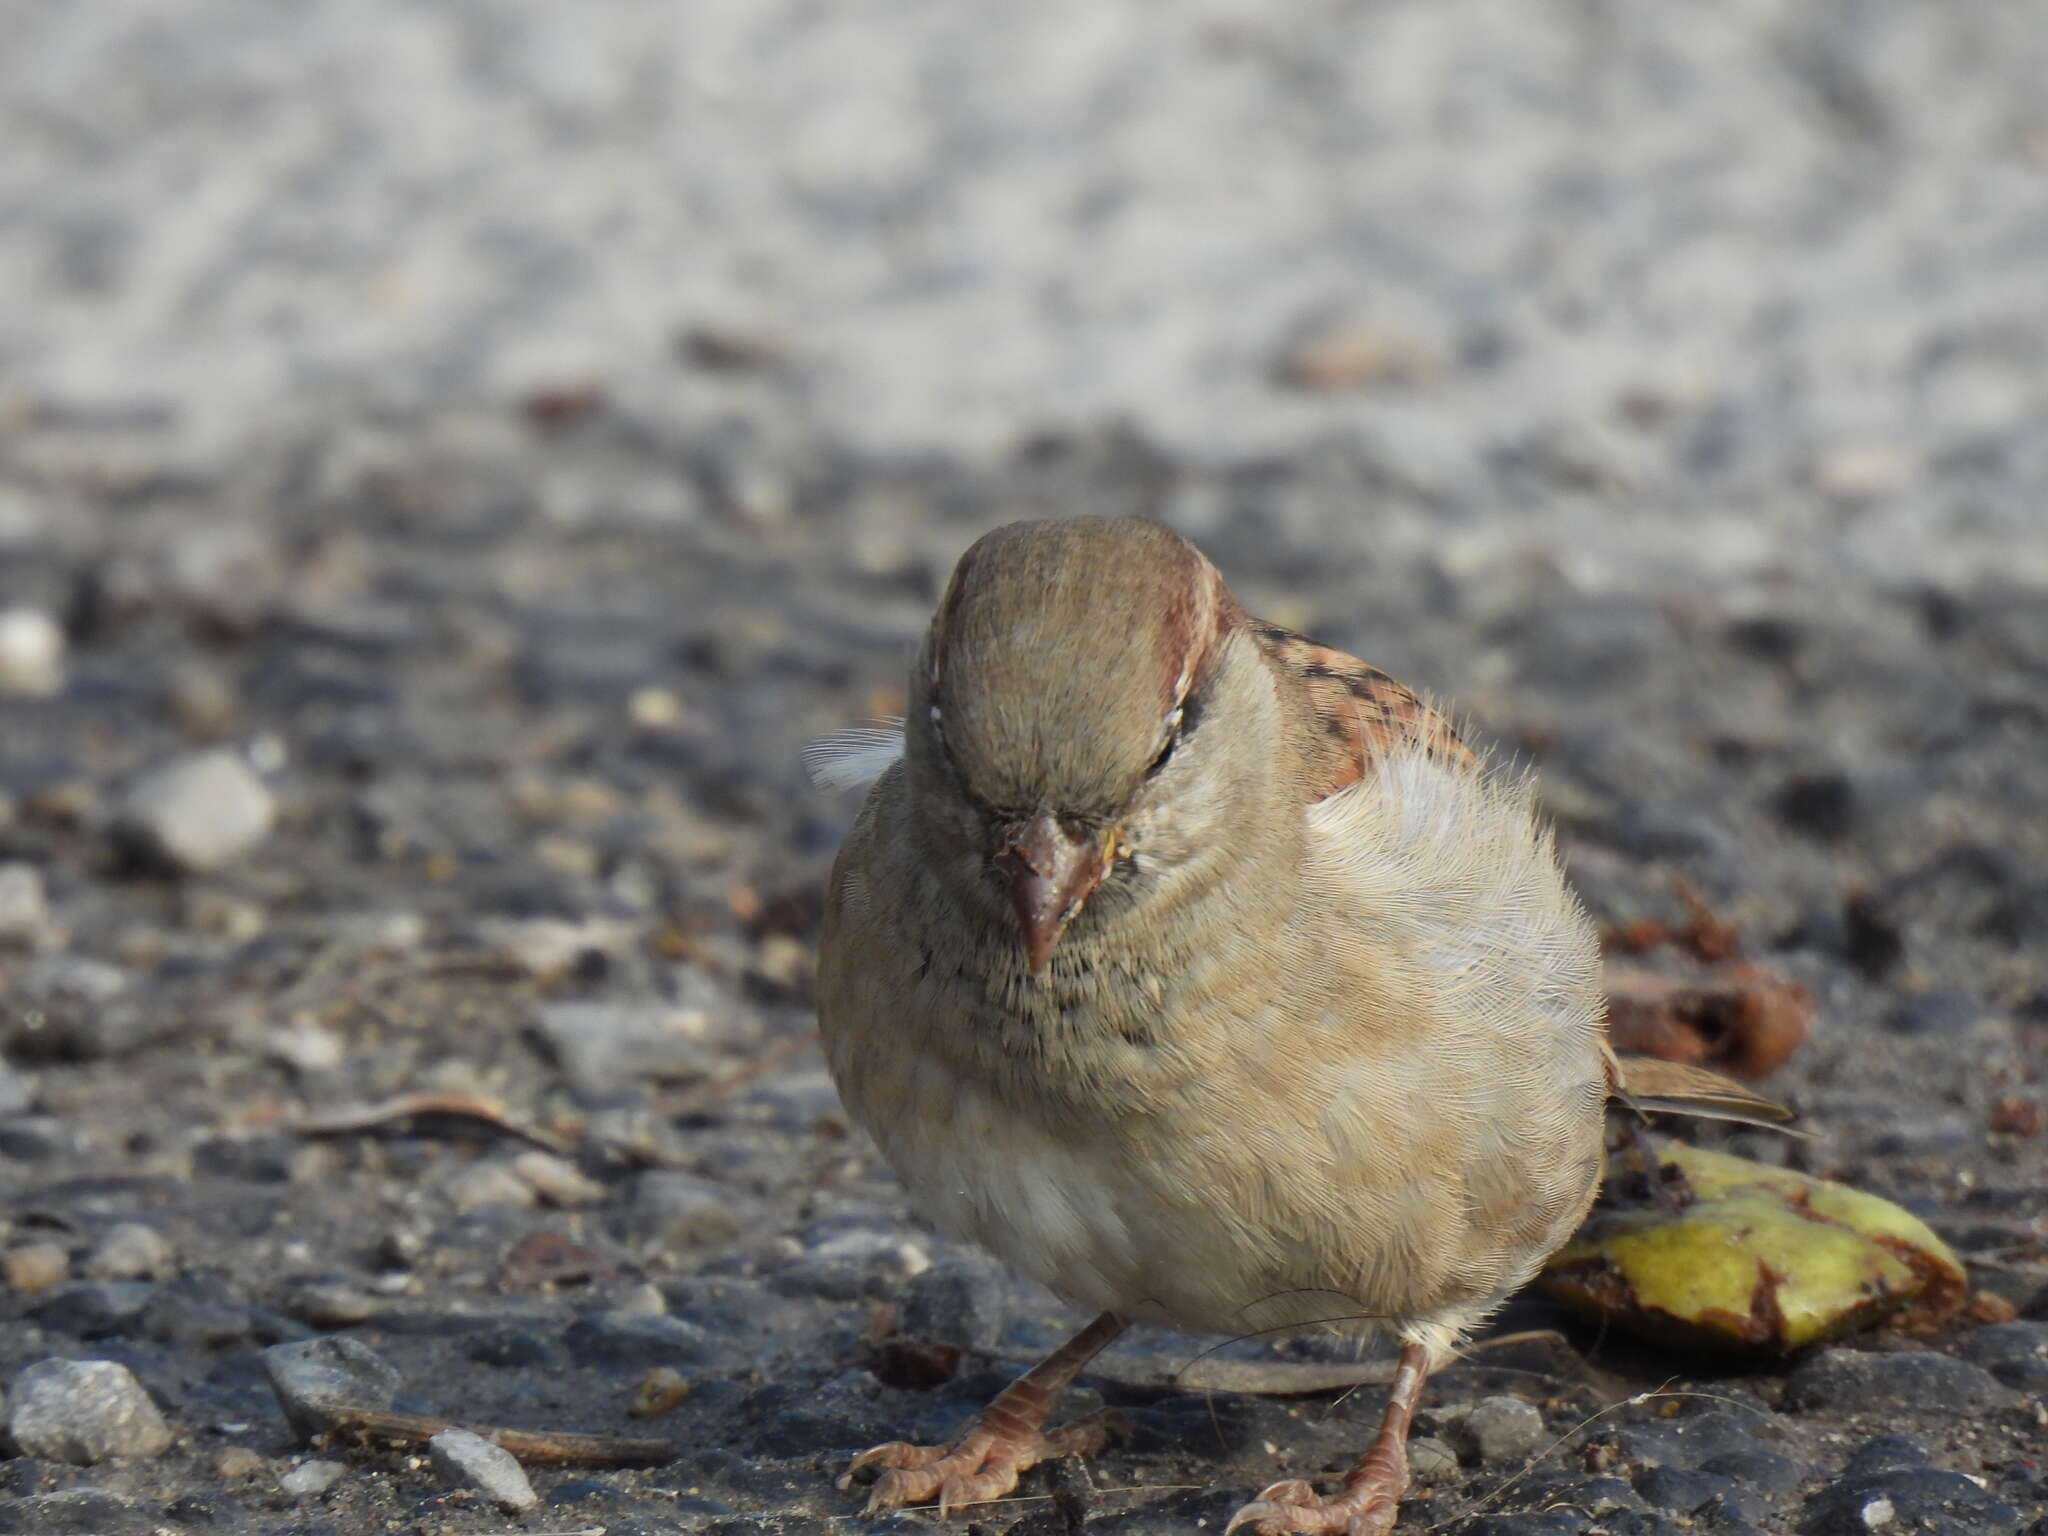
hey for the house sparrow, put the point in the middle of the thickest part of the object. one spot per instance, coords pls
(1202, 973)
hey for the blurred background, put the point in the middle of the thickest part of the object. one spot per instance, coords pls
(452, 456)
(1758, 283)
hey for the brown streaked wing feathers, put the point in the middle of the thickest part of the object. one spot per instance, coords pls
(1361, 715)
(1676, 1087)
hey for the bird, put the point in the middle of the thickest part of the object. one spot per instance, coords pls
(1206, 975)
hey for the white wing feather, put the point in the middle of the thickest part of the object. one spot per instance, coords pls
(855, 757)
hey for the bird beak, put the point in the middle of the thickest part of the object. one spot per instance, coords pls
(1052, 872)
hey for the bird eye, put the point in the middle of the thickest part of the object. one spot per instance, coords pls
(1173, 720)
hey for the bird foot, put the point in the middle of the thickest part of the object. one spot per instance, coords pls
(983, 1465)
(1367, 1507)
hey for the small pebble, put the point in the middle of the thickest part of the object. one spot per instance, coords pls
(657, 1392)
(313, 1377)
(1431, 1462)
(36, 1267)
(228, 574)
(644, 1300)
(17, 1092)
(24, 912)
(218, 915)
(466, 1460)
(329, 1303)
(1676, 1489)
(892, 1255)
(678, 1210)
(631, 1339)
(237, 1462)
(311, 1477)
(31, 653)
(654, 709)
(957, 1301)
(305, 1045)
(1496, 1429)
(203, 699)
(603, 1047)
(132, 1251)
(548, 946)
(556, 1180)
(199, 813)
(84, 1411)
(483, 1184)
(91, 1309)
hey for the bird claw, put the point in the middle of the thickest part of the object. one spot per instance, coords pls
(982, 1466)
(1294, 1507)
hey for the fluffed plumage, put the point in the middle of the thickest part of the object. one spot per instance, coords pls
(1204, 974)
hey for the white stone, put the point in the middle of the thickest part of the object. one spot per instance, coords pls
(200, 812)
(24, 913)
(311, 1477)
(466, 1460)
(31, 653)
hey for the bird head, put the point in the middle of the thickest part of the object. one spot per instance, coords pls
(1082, 720)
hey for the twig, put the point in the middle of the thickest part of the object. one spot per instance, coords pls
(405, 1106)
(537, 1447)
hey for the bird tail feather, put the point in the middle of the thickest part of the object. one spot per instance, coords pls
(1649, 1085)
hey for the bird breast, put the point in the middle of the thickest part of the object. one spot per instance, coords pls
(1388, 1108)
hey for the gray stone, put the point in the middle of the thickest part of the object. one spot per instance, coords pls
(199, 813)
(1901, 1381)
(328, 1303)
(84, 1411)
(1769, 1474)
(1906, 1502)
(1496, 1429)
(479, 1185)
(603, 1047)
(130, 1250)
(73, 1008)
(958, 1301)
(92, 1309)
(1677, 1490)
(633, 1339)
(314, 1377)
(678, 1210)
(1432, 1463)
(18, 1092)
(836, 1278)
(1999, 1344)
(200, 1317)
(465, 1460)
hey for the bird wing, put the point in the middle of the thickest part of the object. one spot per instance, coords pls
(1361, 716)
(1361, 719)
(1650, 1084)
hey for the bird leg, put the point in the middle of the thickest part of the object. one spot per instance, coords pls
(1369, 1503)
(1005, 1440)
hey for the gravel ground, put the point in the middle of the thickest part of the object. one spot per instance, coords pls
(451, 458)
